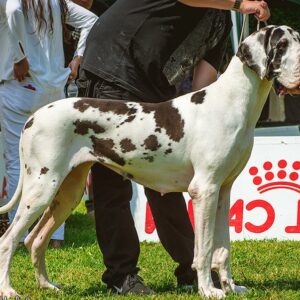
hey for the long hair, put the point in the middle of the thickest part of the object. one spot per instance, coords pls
(37, 7)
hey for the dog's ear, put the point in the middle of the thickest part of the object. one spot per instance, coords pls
(246, 55)
(251, 52)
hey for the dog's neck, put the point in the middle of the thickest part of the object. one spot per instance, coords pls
(247, 87)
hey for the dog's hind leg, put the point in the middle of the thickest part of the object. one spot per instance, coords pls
(66, 200)
(34, 200)
(221, 255)
(205, 199)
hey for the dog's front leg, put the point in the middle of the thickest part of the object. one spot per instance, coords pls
(221, 254)
(205, 199)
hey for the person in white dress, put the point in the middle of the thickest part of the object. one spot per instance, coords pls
(32, 69)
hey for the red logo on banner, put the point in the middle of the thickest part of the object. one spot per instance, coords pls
(267, 179)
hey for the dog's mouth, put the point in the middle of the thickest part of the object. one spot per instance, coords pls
(281, 90)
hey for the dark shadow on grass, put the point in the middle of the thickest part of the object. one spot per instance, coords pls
(95, 289)
(279, 285)
(100, 288)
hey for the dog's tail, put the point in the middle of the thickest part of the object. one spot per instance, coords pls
(17, 195)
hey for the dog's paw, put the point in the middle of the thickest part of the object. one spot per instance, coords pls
(50, 285)
(212, 293)
(230, 286)
(9, 292)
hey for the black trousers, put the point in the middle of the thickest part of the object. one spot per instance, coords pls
(116, 233)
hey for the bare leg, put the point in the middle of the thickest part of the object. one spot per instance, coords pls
(205, 199)
(204, 75)
(221, 255)
(65, 202)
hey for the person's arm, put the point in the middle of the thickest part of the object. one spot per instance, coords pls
(16, 33)
(259, 8)
(79, 17)
(16, 26)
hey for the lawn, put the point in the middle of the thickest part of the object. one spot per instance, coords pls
(270, 269)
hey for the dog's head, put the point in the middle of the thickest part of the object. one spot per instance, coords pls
(274, 53)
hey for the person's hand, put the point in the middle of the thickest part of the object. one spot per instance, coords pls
(74, 65)
(259, 8)
(21, 69)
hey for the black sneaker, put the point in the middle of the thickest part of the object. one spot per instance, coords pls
(132, 284)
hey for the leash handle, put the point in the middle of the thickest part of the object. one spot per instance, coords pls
(258, 24)
(245, 17)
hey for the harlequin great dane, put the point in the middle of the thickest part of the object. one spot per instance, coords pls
(198, 142)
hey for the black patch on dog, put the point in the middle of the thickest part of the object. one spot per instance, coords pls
(28, 206)
(198, 97)
(127, 145)
(166, 116)
(28, 124)
(151, 143)
(267, 38)
(276, 36)
(157, 130)
(118, 107)
(275, 57)
(82, 127)
(245, 55)
(128, 119)
(261, 39)
(104, 148)
(25, 166)
(256, 68)
(51, 105)
(168, 151)
(149, 158)
(44, 170)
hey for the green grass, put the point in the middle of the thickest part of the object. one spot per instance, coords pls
(270, 269)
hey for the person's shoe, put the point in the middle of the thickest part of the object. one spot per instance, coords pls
(55, 244)
(132, 284)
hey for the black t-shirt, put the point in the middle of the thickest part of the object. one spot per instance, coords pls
(99, 7)
(131, 42)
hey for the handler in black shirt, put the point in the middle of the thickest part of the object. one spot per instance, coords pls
(125, 54)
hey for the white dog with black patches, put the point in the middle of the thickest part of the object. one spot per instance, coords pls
(198, 143)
